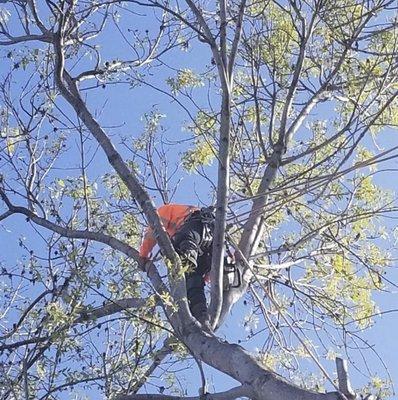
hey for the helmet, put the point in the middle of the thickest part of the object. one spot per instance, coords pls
(208, 214)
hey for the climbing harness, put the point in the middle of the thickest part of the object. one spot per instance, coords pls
(206, 215)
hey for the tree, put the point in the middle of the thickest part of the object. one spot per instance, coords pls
(285, 106)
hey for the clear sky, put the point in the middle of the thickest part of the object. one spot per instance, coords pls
(124, 108)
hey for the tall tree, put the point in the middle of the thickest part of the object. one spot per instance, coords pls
(283, 110)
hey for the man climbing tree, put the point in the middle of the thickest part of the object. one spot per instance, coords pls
(191, 230)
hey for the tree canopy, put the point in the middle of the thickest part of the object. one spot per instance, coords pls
(282, 114)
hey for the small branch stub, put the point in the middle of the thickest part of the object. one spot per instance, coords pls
(342, 376)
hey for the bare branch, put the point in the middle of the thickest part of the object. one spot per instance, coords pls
(158, 358)
(110, 308)
(342, 375)
(72, 233)
(70, 91)
(22, 39)
(231, 394)
(236, 39)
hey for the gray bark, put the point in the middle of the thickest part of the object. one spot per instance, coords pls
(231, 394)
(222, 203)
(236, 362)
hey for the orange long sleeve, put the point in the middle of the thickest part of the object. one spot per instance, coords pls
(172, 217)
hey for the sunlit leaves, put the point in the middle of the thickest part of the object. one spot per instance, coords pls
(382, 387)
(76, 188)
(131, 229)
(152, 121)
(349, 289)
(10, 137)
(204, 123)
(389, 117)
(385, 41)
(366, 190)
(116, 187)
(341, 265)
(270, 361)
(202, 152)
(365, 307)
(201, 155)
(279, 38)
(185, 79)
(343, 16)
(57, 315)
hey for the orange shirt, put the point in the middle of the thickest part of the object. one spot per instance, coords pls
(172, 217)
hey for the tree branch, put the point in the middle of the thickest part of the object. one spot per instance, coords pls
(26, 38)
(236, 40)
(110, 308)
(73, 233)
(342, 375)
(71, 93)
(221, 66)
(231, 394)
(223, 179)
(158, 358)
(5, 215)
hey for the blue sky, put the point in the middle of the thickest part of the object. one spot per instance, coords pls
(124, 107)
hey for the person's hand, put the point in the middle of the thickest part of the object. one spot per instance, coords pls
(144, 260)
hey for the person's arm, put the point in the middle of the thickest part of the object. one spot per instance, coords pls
(149, 241)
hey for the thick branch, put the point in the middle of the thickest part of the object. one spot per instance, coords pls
(236, 40)
(223, 160)
(251, 231)
(221, 66)
(71, 93)
(26, 38)
(227, 395)
(73, 233)
(342, 375)
(5, 215)
(236, 362)
(221, 209)
(110, 308)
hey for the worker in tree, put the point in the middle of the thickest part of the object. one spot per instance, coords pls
(191, 231)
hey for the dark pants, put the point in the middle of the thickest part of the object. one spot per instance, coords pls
(190, 246)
